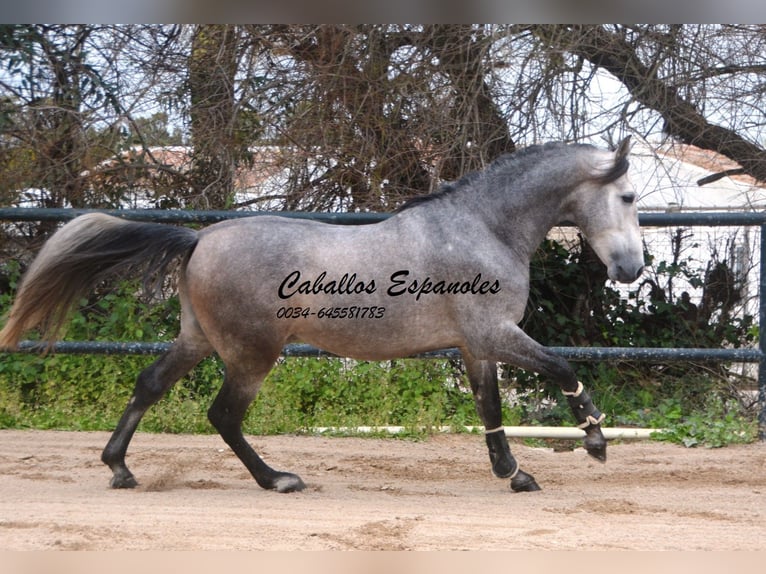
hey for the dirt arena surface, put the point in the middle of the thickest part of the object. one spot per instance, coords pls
(373, 494)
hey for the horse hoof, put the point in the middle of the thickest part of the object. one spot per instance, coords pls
(595, 445)
(524, 482)
(289, 483)
(597, 451)
(123, 481)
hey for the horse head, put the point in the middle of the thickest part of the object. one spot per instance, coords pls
(604, 207)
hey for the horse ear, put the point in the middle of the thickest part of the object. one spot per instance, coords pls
(618, 166)
(623, 149)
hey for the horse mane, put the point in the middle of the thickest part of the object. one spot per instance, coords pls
(444, 188)
(516, 160)
(617, 170)
(448, 187)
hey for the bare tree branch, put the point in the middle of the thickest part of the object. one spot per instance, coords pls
(614, 53)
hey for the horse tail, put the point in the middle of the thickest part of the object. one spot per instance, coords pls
(78, 256)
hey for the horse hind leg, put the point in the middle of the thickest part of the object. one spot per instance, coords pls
(241, 384)
(483, 378)
(152, 384)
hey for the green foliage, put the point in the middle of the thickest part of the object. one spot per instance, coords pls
(719, 424)
(84, 392)
(301, 393)
(90, 392)
(571, 304)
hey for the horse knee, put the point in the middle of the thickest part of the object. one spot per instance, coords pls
(559, 370)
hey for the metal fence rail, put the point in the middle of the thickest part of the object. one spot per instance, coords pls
(645, 354)
(711, 219)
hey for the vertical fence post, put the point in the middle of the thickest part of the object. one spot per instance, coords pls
(762, 339)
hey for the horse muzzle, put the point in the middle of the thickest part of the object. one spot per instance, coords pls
(625, 273)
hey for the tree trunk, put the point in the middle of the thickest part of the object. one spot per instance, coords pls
(212, 69)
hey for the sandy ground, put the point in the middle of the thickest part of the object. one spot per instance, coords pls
(372, 494)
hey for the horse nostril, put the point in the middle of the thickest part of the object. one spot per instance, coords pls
(626, 275)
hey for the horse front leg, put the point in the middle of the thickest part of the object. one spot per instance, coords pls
(482, 376)
(589, 418)
(513, 346)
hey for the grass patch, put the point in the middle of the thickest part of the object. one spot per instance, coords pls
(89, 392)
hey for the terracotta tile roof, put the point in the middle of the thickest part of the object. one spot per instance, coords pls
(708, 160)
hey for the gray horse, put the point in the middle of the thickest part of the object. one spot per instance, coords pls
(450, 269)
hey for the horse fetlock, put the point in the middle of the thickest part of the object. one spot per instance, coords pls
(115, 459)
(504, 465)
(594, 441)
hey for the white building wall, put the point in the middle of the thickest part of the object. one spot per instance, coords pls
(666, 176)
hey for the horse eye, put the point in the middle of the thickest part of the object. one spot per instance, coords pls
(629, 198)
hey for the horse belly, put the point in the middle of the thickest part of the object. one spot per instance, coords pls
(239, 314)
(375, 339)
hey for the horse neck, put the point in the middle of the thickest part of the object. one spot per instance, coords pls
(522, 216)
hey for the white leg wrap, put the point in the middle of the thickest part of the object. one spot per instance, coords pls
(576, 393)
(591, 420)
